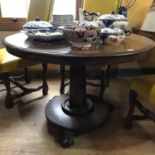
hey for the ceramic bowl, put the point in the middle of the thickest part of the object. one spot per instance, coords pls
(90, 25)
(112, 36)
(42, 32)
(38, 26)
(73, 35)
(112, 21)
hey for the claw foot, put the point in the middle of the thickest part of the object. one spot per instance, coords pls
(67, 139)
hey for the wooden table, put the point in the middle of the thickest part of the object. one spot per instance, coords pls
(78, 112)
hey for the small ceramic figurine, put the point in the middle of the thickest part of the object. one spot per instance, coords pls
(105, 20)
(89, 16)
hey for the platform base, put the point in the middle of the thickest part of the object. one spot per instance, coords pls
(75, 123)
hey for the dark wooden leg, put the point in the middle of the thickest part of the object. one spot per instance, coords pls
(146, 113)
(132, 104)
(67, 139)
(62, 80)
(103, 86)
(26, 76)
(45, 85)
(104, 83)
(105, 76)
(78, 95)
(8, 100)
(108, 75)
(7, 79)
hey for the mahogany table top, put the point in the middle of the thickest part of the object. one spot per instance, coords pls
(134, 47)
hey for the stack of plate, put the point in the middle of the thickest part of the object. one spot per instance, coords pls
(63, 20)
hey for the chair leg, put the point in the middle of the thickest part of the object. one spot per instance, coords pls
(102, 87)
(62, 81)
(104, 82)
(108, 75)
(8, 100)
(132, 103)
(146, 113)
(45, 85)
(27, 78)
(6, 80)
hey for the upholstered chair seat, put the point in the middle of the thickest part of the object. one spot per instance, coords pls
(10, 64)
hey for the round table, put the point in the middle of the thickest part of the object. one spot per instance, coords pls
(78, 112)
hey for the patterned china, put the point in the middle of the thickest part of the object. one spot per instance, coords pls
(42, 32)
(113, 21)
(112, 36)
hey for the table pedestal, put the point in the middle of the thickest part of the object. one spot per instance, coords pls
(72, 124)
(76, 112)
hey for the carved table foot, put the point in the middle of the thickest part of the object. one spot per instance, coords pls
(67, 139)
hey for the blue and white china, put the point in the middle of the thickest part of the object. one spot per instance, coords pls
(88, 25)
(38, 26)
(89, 16)
(42, 32)
(112, 21)
(112, 36)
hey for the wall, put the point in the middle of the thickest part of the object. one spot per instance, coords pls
(136, 14)
(100, 6)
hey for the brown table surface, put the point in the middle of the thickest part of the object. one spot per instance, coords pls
(132, 48)
(78, 112)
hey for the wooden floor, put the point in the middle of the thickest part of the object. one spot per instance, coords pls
(23, 130)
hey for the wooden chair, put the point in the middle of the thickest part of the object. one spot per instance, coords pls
(142, 87)
(8, 65)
